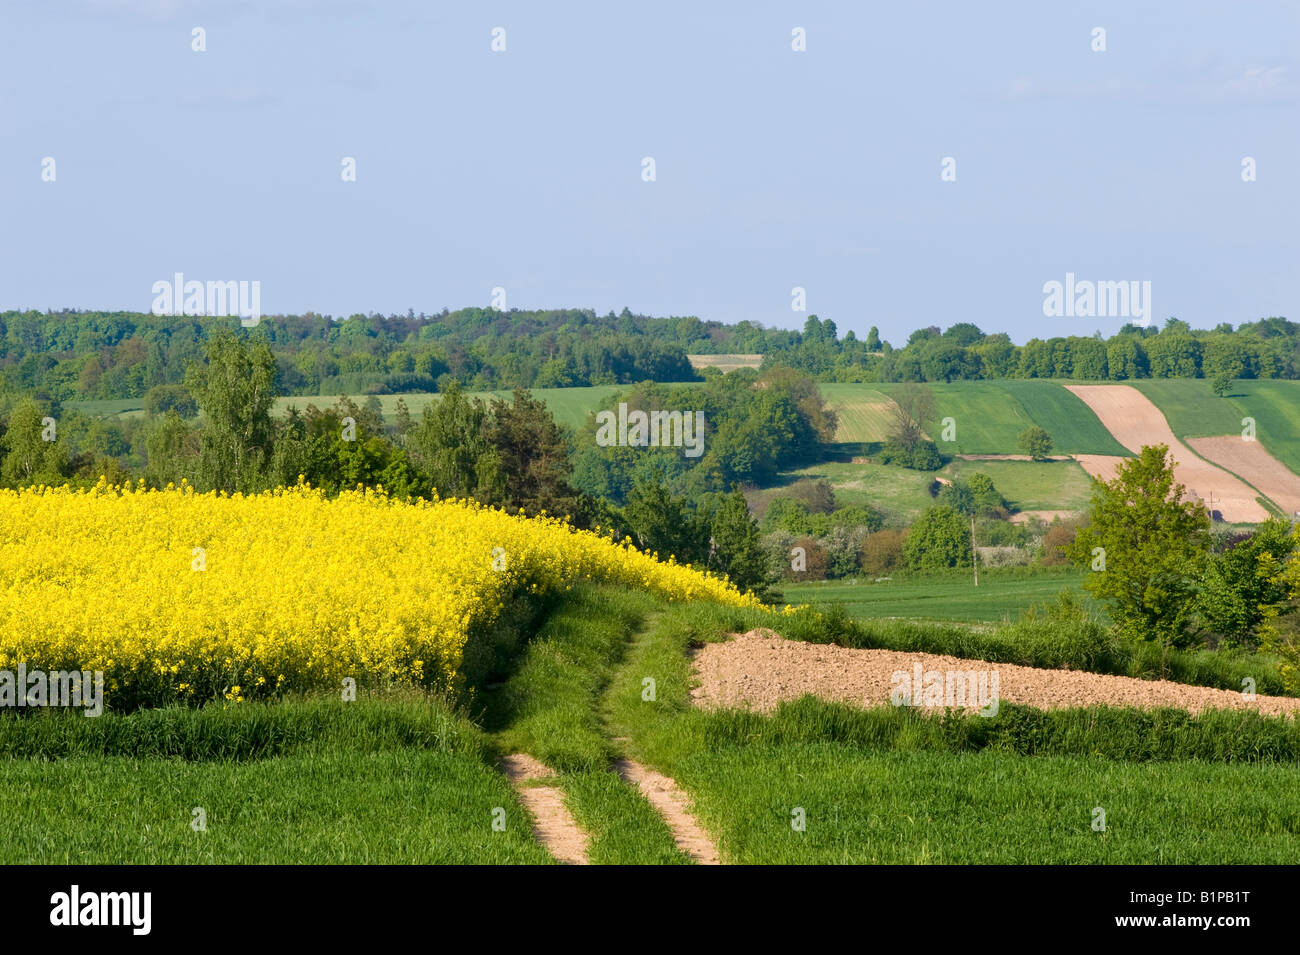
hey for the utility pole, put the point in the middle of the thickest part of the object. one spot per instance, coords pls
(974, 553)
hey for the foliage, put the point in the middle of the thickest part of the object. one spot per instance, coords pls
(1147, 545)
(1035, 442)
(1248, 584)
(941, 538)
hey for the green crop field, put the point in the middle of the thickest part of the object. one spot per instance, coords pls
(1194, 411)
(989, 416)
(1001, 594)
(863, 411)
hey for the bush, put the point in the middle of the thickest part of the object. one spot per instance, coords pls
(857, 515)
(842, 546)
(160, 399)
(1059, 536)
(923, 457)
(1003, 556)
(882, 552)
(1000, 533)
(941, 538)
(785, 513)
(817, 497)
(815, 561)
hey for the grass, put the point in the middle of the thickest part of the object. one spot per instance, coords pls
(989, 416)
(570, 406)
(863, 411)
(902, 494)
(1193, 411)
(403, 778)
(1001, 595)
(904, 808)
(300, 781)
(413, 806)
(907, 795)
(549, 708)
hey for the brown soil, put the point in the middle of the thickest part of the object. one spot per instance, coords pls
(1100, 466)
(759, 670)
(1134, 421)
(1270, 476)
(553, 824)
(671, 803)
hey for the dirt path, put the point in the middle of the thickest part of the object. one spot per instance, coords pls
(553, 825)
(671, 803)
(760, 669)
(1134, 421)
(1249, 459)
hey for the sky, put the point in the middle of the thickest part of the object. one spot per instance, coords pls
(774, 169)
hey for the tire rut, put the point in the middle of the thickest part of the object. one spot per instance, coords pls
(553, 825)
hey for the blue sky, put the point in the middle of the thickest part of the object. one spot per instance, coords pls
(775, 169)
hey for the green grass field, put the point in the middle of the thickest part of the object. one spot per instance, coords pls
(1001, 594)
(902, 494)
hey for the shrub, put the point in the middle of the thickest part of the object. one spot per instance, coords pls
(882, 552)
(941, 538)
(1059, 536)
(1003, 556)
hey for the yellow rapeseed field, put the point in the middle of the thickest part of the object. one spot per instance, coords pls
(177, 595)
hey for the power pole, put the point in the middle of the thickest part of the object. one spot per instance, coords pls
(974, 553)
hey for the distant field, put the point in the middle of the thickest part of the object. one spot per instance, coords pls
(864, 412)
(989, 416)
(570, 406)
(952, 597)
(108, 407)
(1034, 485)
(903, 494)
(1193, 411)
(725, 363)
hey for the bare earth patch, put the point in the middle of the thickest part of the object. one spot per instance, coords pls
(1135, 421)
(1249, 459)
(759, 670)
(553, 825)
(671, 803)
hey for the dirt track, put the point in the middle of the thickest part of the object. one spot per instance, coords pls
(1249, 459)
(1134, 421)
(760, 669)
(553, 824)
